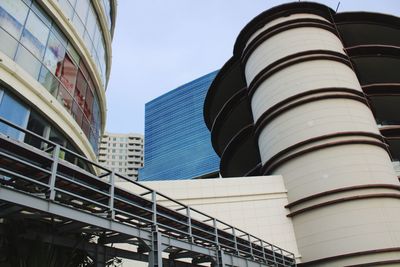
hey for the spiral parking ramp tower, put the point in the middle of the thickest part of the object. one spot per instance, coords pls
(301, 97)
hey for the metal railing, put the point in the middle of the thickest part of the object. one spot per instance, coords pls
(46, 173)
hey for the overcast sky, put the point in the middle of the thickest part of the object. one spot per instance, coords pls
(161, 44)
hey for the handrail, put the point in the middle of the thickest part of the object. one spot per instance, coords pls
(214, 232)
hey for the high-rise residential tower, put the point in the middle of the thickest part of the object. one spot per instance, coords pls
(122, 153)
(177, 142)
(55, 59)
(313, 95)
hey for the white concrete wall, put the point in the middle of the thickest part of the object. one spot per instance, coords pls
(252, 204)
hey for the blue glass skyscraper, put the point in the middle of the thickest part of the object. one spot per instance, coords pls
(177, 141)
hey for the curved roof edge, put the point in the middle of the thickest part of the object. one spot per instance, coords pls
(275, 12)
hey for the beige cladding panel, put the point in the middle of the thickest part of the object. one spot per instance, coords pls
(348, 227)
(300, 78)
(313, 120)
(336, 167)
(288, 43)
(332, 229)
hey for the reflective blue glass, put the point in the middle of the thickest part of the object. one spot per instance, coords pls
(177, 141)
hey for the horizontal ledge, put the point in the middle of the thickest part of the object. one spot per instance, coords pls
(340, 190)
(375, 263)
(289, 103)
(226, 69)
(277, 12)
(229, 105)
(347, 255)
(239, 102)
(341, 200)
(269, 166)
(294, 59)
(282, 27)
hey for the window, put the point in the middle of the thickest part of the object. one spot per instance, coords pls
(80, 92)
(54, 55)
(27, 61)
(39, 126)
(13, 14)
(8, 45)
(77, 113)
(35, 35)
(68, 74)
(47, 79)
(66, 8)
(14, 111)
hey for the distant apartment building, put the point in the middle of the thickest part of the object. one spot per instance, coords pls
(178, 144)
(122, 153)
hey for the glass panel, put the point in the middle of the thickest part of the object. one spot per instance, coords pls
(11, 109)
(58, 138)
(27, 61)
(64, 98)
(8, 44)
(91, 22)
(72, 2)
(86, 127)
(66, 8)
(39, 126)
(12, 16)
(96, 114)
(88, 42)
(35, 35)
(82, 7)
(41, 14)
(77, 113)
(93, 141)
(72, 52)
(68, 74)
(79, 26)
(54, 56)
(61, 37)
(49, 81)
(88, 104)
(80, 91)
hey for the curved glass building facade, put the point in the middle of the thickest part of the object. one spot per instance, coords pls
(55, 59)
(177, 142)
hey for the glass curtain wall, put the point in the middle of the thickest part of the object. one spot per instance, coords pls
(83, 16)
(33, 40)
(17, 112)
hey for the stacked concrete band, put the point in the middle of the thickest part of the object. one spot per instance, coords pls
(55, 60)
(298, 99)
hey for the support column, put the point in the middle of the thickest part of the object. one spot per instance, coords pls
(220, 258)
(155, 254)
